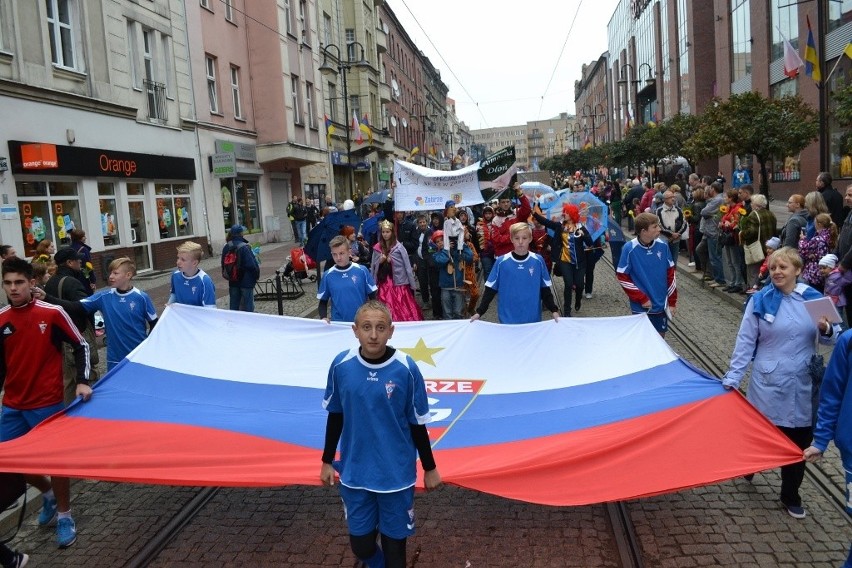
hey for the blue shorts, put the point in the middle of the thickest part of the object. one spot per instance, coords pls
(391, 513)
(660, 321)
(15, 423)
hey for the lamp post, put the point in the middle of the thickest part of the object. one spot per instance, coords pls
(573, 132)
(626, 81)
(420, 112)
(342, 67)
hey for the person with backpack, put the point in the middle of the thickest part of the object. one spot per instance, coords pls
(241, 269)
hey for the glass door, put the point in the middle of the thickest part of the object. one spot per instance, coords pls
(139, 234)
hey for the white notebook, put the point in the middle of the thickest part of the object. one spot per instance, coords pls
(822, 307)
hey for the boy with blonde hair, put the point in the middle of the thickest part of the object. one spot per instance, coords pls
(346, 284)
(523, 279)
(128, 311)
(190, 284)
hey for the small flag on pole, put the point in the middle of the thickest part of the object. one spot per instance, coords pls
(356, 129)
(365, 128)
(792, 61)
(848, 50)
(329, 129)
(812, 66)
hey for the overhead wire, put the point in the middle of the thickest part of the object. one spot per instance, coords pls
(558, 59)
(449, 68)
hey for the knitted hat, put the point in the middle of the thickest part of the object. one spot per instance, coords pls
(437, 236)
(774, 243)
(829, 260)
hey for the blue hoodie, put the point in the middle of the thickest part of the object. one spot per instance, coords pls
(834, 414)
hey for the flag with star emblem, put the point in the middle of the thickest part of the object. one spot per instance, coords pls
(630, 421)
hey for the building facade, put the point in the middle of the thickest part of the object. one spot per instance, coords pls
(99, 126)
(592, 101)
(750, 44)
(493, 139)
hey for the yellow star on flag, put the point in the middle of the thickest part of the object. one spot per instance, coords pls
(422, 353)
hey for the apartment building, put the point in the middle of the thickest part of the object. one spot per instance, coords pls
(99, 129)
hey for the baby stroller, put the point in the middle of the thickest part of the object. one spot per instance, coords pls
(300, 266)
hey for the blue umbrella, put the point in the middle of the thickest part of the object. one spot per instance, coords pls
(371, 226)
(330, 226)
(377, 197)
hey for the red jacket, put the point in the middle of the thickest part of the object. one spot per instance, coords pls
(500, 237)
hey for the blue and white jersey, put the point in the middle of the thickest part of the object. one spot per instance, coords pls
(379, 403)
(126, 317)
(519, 284)
(197, 290)
(347, 289)
(647, 269)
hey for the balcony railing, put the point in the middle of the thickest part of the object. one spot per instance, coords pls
(156, 94)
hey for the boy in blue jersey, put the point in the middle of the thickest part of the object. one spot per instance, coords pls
(522, 279)
(646, 272)
(834, 416)
(346, 284)
(382, 396)
(128, 311)
(190, 284)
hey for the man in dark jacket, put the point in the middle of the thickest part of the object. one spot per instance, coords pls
(832, 197)
(241, 290)
(66, 289)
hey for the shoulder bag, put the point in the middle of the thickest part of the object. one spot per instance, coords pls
(754, 251)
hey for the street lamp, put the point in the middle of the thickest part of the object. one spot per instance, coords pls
(626, 81)
(342, 67)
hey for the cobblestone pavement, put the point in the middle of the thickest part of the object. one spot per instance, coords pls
(733, 523)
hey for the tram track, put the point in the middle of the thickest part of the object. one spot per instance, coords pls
(149, 552)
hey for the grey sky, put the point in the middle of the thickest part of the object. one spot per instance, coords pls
(501, 54)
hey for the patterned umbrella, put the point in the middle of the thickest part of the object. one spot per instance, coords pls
(593, 211)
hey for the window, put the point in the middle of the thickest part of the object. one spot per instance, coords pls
(229, 10)
(326, 29)
(309, 105)
(303, 21)
(49, 210)
(288, 16)
(350, 45)
(61, 33)
(167, 65)
(173, 210)
(108, 213)
(839, 13)
(297, 108)
(741, 40)
(206, 4)
(246, 204)
(332, 101)
(785, 18)
(132, 55)
(354, 107)
(211, 84)
(235, 91)
(148, 53)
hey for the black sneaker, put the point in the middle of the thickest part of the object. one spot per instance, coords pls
(18, 561)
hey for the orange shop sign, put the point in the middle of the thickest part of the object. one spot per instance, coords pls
(39, 156)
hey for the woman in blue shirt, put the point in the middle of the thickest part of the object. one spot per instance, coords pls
(781, 337)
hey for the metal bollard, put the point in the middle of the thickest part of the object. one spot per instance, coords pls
(279, 296)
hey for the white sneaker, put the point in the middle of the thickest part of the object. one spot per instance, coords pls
(588, 295)
(691, 264)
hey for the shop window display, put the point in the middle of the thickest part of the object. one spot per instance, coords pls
(173, 210)
(48, 210)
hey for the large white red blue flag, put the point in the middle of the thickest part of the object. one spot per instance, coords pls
(574, 412)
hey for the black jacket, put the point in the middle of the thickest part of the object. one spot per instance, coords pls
(69, 296)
